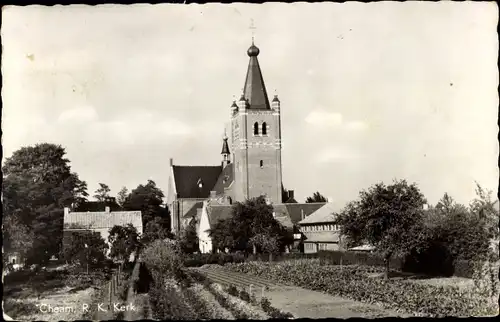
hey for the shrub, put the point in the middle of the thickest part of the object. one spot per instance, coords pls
(232, 290)
(244, 296)
(163, 260)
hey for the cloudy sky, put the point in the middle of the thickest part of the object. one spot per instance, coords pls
(369, 92)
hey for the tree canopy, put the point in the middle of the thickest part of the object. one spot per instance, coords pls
(122, 196)
(124, 241)
(85, 248)
(251, 227)
(316, 197)
(38, 184)
(102, 193)
(387, 217)
(148, 199)
(189, 238)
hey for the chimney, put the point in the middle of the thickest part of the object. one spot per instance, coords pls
(213, 194)
(107, 209)
(171, 162)
(66, 211)
(290, 194)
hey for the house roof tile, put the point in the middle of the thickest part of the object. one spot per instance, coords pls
(102, 219)
(327, 213)
(218, 212)
(295, 210)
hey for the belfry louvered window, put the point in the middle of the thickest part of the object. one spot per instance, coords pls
(264, 128)
(256, 128)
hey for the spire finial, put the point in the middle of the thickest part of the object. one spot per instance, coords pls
(252, 28)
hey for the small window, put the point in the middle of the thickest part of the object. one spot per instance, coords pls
(261, 164)
(256, 128)
(264, 128)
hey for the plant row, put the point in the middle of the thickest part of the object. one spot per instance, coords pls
(354, 282)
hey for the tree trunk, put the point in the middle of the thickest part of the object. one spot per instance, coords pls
(386, 262)
(254, 249)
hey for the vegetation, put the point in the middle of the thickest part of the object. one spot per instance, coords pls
(251, 228)
(37, 185)
(85, 248)
(148, 199)
(355, 282)
(387, 217)
(189, 239)
(102, 193)
(316, 197)
(122, 196)
(124, 241)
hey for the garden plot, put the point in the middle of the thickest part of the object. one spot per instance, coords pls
(301, 303)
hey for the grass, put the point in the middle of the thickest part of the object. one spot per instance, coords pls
(23, 290)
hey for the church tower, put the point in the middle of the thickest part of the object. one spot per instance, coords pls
(256, 138)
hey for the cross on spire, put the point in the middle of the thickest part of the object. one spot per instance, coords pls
(252, 28)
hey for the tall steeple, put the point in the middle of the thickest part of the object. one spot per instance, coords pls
(255, 90)
(225, 151)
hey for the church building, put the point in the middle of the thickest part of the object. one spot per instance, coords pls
(250, 167)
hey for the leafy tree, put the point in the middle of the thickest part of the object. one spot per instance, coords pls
(221, 236)
(148, 199)
(85, 248)
(316, 197)
(388, 217)
(249, 219)
(484, 207)
(189, 239)
(16, 236)
(124, 241)
(122, 196)
(102, 193)
(38, 184)
(155, 230)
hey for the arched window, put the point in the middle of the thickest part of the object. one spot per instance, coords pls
(261, 164)
(264, 128)
(256, 128)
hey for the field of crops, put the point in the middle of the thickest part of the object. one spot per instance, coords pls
(365, 284)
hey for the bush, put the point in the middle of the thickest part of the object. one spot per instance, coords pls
(197, 260)
(163, 260)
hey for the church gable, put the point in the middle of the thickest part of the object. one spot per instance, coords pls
(195, 181)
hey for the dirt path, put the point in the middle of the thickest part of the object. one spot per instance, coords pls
(139, 302)
(300, 302)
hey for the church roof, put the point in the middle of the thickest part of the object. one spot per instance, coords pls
(188, 178)
(225, 179)
(325, 214)
(255, 90)
(193, 211)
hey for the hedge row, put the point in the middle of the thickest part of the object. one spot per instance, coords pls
(460, 268)
(354, 282)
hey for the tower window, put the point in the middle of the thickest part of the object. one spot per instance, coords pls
(256, 128)
(264, 128)
(261, 164)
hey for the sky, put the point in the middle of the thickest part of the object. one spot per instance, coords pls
(370, 92)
